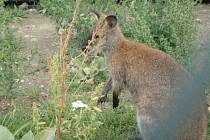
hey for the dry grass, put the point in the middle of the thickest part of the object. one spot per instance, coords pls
(64, 44)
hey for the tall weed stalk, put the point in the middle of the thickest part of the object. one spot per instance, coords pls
(64, 44)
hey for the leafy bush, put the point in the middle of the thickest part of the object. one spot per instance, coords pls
(167, 25)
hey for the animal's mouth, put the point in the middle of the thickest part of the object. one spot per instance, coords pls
(85, 49)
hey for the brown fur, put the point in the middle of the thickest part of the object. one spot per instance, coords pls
(157, 84)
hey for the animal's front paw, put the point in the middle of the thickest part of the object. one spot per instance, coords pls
(102, 99)
(115, 101)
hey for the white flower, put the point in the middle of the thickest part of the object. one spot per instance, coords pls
(79, 104)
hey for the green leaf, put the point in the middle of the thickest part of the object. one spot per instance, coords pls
(46, 134)
(5, 134)
(28, 136)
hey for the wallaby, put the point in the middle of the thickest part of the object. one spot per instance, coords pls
(169, 107)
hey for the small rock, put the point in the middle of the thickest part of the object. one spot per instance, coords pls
(44, 94)
(24, 6)
(33, 39)
(198, 20)
(33, 26)
(41, 86)
(32, 10)
(13, 26)
(26, 36)
(30, 26)
(61, 31)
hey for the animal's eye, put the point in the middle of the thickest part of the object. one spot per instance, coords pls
(97, 36)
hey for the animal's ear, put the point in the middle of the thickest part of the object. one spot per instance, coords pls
(98, 14)
(111, 20)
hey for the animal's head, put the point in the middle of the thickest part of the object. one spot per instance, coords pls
(103, 33)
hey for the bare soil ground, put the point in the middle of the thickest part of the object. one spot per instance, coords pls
(40, 40)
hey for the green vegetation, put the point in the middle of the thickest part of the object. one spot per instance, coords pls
(167, 25)
(9, 47)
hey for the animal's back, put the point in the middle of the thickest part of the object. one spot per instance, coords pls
(161, 92)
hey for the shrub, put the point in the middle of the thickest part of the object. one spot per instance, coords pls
(167, 25)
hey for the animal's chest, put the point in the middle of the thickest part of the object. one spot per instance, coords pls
(114, 63)
(117, 70)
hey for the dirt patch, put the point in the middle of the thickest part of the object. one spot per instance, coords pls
(40, 41)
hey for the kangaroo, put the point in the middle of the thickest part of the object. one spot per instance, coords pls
(169, 103)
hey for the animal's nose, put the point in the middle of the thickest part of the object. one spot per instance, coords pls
(84, 48)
